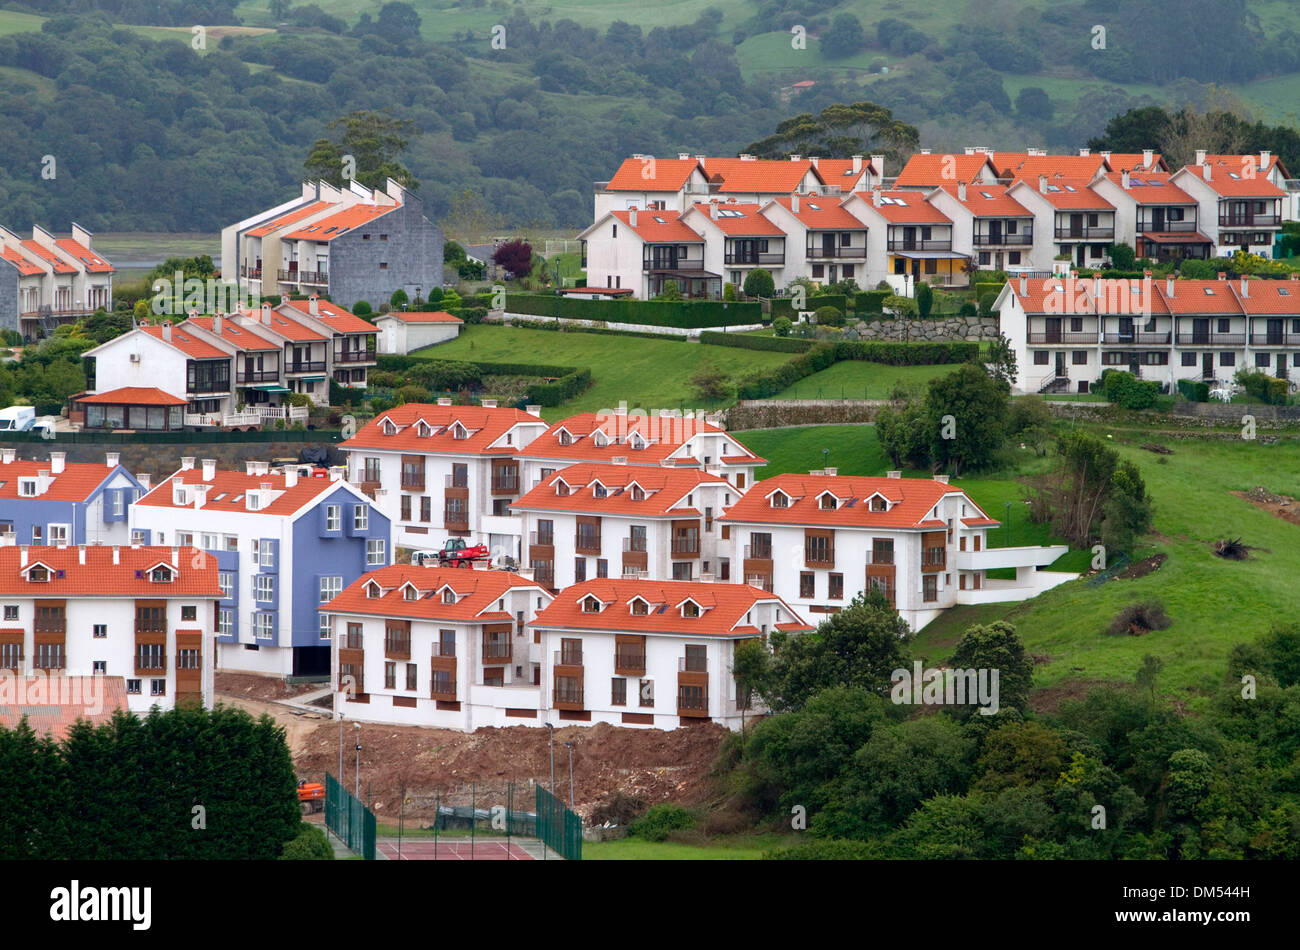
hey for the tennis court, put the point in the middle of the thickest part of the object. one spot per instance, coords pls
(456, 850)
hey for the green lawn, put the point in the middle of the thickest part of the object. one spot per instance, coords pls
(854, 449)
(14, 22)
(738, 848)
(855, 379)
(643, 373)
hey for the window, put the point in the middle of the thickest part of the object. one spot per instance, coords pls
(137, 536)
(361, 518)
(157, 687)
(161, 575)
(681, 570)
(225, 621)
(647, 692)
(11, 611)
(184, 539)
(227, 581)
(780, 500)
(618, 691)
(836, 589)
(333, 517)
(807, 584)
(330, 587)
(639, 608)
(1076, 324)
(602, 567)
(58, 534)
(1080, 357)
(326, 626)
(882, 550)
(264, 588)
(210, 542)
(189, 613)
(817, 549)
(1013, 257)
(690, 609)
(1189, 359)
(448, 596)
(1262, 359)
(133, 687)
(371, 470)
(264, 553)
(390, 675)
(930, 588)
(36, 534)
(406, 508)
(1224, 325)
(375, 552)
(99, 667)
(411, 673)
(119, 504)
(100, 631)
(827, 502)
(579, 569)
(263, 627)
(426, 508)
(187, 659)
(1227, 359)
(1040, 357)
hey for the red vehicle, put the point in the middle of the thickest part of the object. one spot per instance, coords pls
(454, 553)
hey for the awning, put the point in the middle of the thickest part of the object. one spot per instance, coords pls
(1175, 237)
(930, 255)
(271, 388)
(692, 274)
(311, 379)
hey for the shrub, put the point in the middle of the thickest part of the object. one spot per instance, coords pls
(781, 326)
(1257, 385)
(660, 821)
(759, 283)
(413, 394)
(900, 306)
(728, 291)
(987, 287)
(924, 299)
(398, 300)
(822, 355)
(870, 301)
(781, 344)
(829, 317)
(297, 400)
(967, 309)
(1128, 392)
(362, 308)
(833, 849)
(1194, 390)
(1138, 619)
(618, 809)
(986, 304)
(310, 844)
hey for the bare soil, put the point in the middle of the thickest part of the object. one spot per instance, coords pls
(1048, 699)
(252, 686)
(1280, 506)
(1148, 565)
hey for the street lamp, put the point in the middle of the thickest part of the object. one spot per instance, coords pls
(552, 734)
(569, 746)
(340, 749)
(826, 457)
(357, 794)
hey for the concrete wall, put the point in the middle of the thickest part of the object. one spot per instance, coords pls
(413, 253)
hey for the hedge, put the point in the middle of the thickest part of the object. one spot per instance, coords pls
(569, 380)
(869, 301)
(987, 288)
(1127, 391)
(784, 306)
(822, 355)
(574, 328)
(684, 314)
(781, 344)
(1194, 390)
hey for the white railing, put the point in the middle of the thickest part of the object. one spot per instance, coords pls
(261, 415)
(199, 419)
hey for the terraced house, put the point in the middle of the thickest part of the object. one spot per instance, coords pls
(56, 502)
(145, 614)
(46, 281)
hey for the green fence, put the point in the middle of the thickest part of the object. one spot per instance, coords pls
(559, 828)
(352, 821)
(178, 438)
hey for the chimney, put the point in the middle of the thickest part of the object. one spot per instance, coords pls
(176, 556)
(216, 324)
(1123, 179)
(6, 456)
(941, 479)
(699, 158)
(875, 197)
(488, 403)
(57, 460)
(22, 555)
(167, 331)
(1223, 275)
(857, 164)
(631, 217)
(683, 156)
(924, 151)
(1245, 285)
(1205, 170)
(111, 459)
(814, 161)
(1104, 154)
(144, 479)
(713, 210)
(1264, 156)
(444, 400)
(1169, 286)
(200, 496)
(794, 203)
(1024, 285)
(266, 314)
(1042, 184)
(618, 460)
(313, 305)
(817, 471)
(337, 472)
(209, 469)
(117, 554)
(878, 164)
(795, 158)
(1096, 285)
(1084, 152)
(81, 554)
(533, 410)
(969, 150)
(961, 191)
(1294, 275)
(290, 477)
(1200, 156)
(894, 474)
(187, 462)
(1148, 158)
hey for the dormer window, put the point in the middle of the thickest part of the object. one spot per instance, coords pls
(878, 503)
(161, 575)
(448, 596)
(600, 440)
(374, 591)
(780, 500)
(637, 493)
(563, 437)
(827, 502)
(410, 593)
(38, 575)
(423, 429)
(690, 609)
(636, 441)
(640, 608)
(590, 605)
(459, 432)
(561, 487)
(598, 490)
(27, 487)
(388, 427)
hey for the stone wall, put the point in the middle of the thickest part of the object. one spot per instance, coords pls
(1231, 413)
(413, 253)
(161, 459)
(932, 330)
(774, 413)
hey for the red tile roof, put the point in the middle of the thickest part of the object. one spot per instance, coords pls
(484, 427)
(284, 220)
(1188, 297)
(332, 315)
(413, 316)
(757, 176)
(60, 265)
(92, 262)
(1152, 188)
(77, 481)
(476, 593)
(227, 491)
(1133, 161)
(1029, 167)
(187, 343)
(243, 337)
(1070, 194)
(659, 227)
(1208, 296)
(657, 437)
(1238, 162)
(195, 576)
(929, 171)
(1230, 181)
(133, 396)
(723, 613)
(61, 701)
(288, 328)
(652, 174)
(327, 229)
(1066, 295)
(903, 207)
(910, 501)
(662, 489)
(839, 171)
(822, 212)
(739, 219)
(25, 267)
(989, 201)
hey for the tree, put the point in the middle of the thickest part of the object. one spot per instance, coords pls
(1033, 103)
(399, 299)
(1089, 486)
(924, 299)
(373, 141)
(1122, 256)
(709, 382)
(515, 257)
(1127, 512)
(1147, 674)
(844, 38)
(1030, 421)
(278, 9)
(997, 646)
(670, 290)
(751, 666)
(966, 411)
(841, 131)
(1002, 362)
(781, 326)
(759, 283)
(904, 434)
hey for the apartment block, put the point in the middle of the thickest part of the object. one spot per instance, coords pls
(56, 502)
(47, 281)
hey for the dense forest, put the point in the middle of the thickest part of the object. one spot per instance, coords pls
(118, 130)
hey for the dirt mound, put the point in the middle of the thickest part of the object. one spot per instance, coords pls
(1148, 565)
(1157, 448)
(1280, 506)
(252, 686)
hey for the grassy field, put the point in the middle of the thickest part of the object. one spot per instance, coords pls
(643, 373)
(14, 22)
(737, 848)
(854, 379)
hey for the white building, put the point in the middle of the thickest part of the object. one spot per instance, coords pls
(823, 240)
(737, 240)
(46, 281)
(993, 229)
(1079, 221)
(1238, 208)
(404, 331)
(641, 249)
(141, 613)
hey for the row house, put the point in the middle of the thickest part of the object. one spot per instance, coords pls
(1066, 331)
(823, 240)
(927, 170)
(738, 239)
(257, 355)
(1262, 164)
(908, 237)
(1238, 208)
(47, 281)
(1081, 222)
(817, 541)
(1154, 216)
(350, 349)
(350, 244)
(443, 470)
(59, 503)
(283, 543)
(990, 227)
(591, 520)
(142, 613)
(653, 654)
(642, 249)
(438, 647)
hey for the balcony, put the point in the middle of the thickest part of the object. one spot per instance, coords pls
(759, 552)
(350, 641)
(652, 264)
(686, 545)
(880, 558)
(254, 273)
(1138, 337)
(57, 625)
(307, 366)
(505, 481)
(1211, 339)
(1275, 338)
(1168, 227)
(541, 539)
(354, 356)
(755, 260)
(455, 518)
(692, 702)
(934, 560)
(456, 480)
(397, 647)
(498, 651)
(587, 542)
(634, 544)
(1085, 234)
(761, 581)
(1249, 220)
(413, 480)
(545, 576)
(304, 277)
(150, 663)
(1083, 339)
(443, 688)
(692, 664)
(1004, 240)
(818, 252)
(567, 696)
(815, 556)
(258, 376)
(629, 661)
(570, 657)
(902, 244)
(49, 660)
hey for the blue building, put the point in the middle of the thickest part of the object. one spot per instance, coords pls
(57, 502)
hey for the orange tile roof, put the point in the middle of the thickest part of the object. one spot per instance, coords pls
(1066, 295)
(60, 265)
(989, 201)
(188, 344)
(911, 500)
(25, 267)
(663, 488)
(227, 490)
(1203, 296)
(839, 171)
(476, 592)
(484, 426)
(665, 174)
(1269, 296)
(1069, 194)
(739, 219)
(133, 396)
(77, 482)
(289, 328)
(928, 171)
(759, 175)
(100, 577)
(821, 212)
(1029, 167)
(723, 613)
(1152, 188)
(327, 229)
(93, 699)
(658, 439)
(1238, 162)
(284, 220)
(237, 335)
(92, 262)
(332, 315)
(422, 316)
(659, 227)
(904, 207)
(1134, 161)
(1229, 182)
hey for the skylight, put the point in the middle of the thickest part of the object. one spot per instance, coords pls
(1209, 292)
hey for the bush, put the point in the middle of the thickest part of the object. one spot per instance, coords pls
(779, 343)
(829, 317)
(310, 844)
(362, 309)
(728, 291)
(1194, 390)
(834, 849)
(967, 309)
(1256, 384)
(298, 400)
(1128, 392)
(822, 355)
(986, 304)
(1138, 619)
(398, 300)
(660, 821)
(781, 326)
(983, 288)
(900, 306)
(869, 301)
(759, 283)
(924, 299)
(413, 394)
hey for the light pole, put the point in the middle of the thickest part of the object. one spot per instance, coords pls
(569, 746)
(826, 457)
(552, 735)
(1008, 524)
(357, 794)
(340, 750)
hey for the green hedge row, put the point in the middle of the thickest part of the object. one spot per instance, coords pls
(1194, 390)
(569, 380)
(572, 328)
(871, 301)
(746, 342)
(987, 288)
(684, 314)
(784, 306)
(766, 385)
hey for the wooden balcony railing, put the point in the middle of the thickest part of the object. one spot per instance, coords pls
(628, 662)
